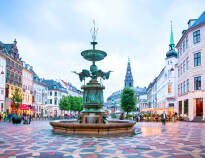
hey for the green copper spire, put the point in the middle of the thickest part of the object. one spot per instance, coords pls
(171, 45)
(171, 52)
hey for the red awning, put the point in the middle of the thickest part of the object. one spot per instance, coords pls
(24, 107)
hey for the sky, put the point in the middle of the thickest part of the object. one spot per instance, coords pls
(51, 34)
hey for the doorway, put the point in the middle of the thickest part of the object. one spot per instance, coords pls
(199, 107)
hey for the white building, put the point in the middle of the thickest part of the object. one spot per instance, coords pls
(142, 102)
(2, 78)
(162, 92)
(72, 90)
(191, 79)
(55, 93)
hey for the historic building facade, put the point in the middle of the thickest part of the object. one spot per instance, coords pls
(13, 72)
(2, 77)
(55, 93)
(142, 102)
(40, 95)
(191, 70)
(162, 92)
(27, 84)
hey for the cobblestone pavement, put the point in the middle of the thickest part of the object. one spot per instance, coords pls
(181, 139)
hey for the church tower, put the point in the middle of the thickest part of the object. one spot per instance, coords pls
(128, 77)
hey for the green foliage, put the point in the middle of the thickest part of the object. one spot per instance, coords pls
(113, 116)
(128, 115)
(64, 103)
(76, 103)
(16, 98)
(128, 100)
(72, 103)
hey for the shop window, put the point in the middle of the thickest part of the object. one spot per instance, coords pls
(186, 107)
(180, 107)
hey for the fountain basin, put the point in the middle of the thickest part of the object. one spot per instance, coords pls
(112, 127)
(93, 54)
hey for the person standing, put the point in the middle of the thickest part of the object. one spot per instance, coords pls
(29, 119)
(9, 115)
(164, 116)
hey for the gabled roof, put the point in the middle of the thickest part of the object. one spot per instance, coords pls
(54, 85)
(198, 22)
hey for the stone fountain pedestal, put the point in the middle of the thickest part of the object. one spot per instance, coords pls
(93, 103)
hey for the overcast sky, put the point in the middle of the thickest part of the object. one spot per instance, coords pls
(52, 33)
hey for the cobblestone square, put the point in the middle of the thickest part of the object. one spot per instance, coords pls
(180, 140)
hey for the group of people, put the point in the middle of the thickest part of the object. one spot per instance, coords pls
(139, 117)
(4, 116)
(26, 119)
(11, 117)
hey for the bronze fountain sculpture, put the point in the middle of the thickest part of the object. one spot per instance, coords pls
(92, 118)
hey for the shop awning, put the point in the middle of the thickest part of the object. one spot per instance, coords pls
(24, 107)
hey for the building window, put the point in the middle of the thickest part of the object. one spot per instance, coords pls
(180, 50)
(197, 59)
(184, 87)
(186, 107)
(179, 90)
(181, 69)
(55, 93)
(178, 72)
(197, 83)
(169, 88)
(55, 102)
(50, 93)
(187, 40)
(187, 63)
(50, 101)
(187, 85)
(184, 66)
(183, 45)
(196, 36)
(180, 107)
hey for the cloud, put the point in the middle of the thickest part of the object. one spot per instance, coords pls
(52, 33)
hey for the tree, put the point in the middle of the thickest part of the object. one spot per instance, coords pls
(16, 99)
(76, 103)
(64, 103)
(128, 100)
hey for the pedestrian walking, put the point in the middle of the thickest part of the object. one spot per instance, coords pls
(164, 116)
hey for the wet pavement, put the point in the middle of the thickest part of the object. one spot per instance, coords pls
(180, 140)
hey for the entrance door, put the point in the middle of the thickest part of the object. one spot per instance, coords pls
(199, 107)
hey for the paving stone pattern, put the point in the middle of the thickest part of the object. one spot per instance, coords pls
(180, 140)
